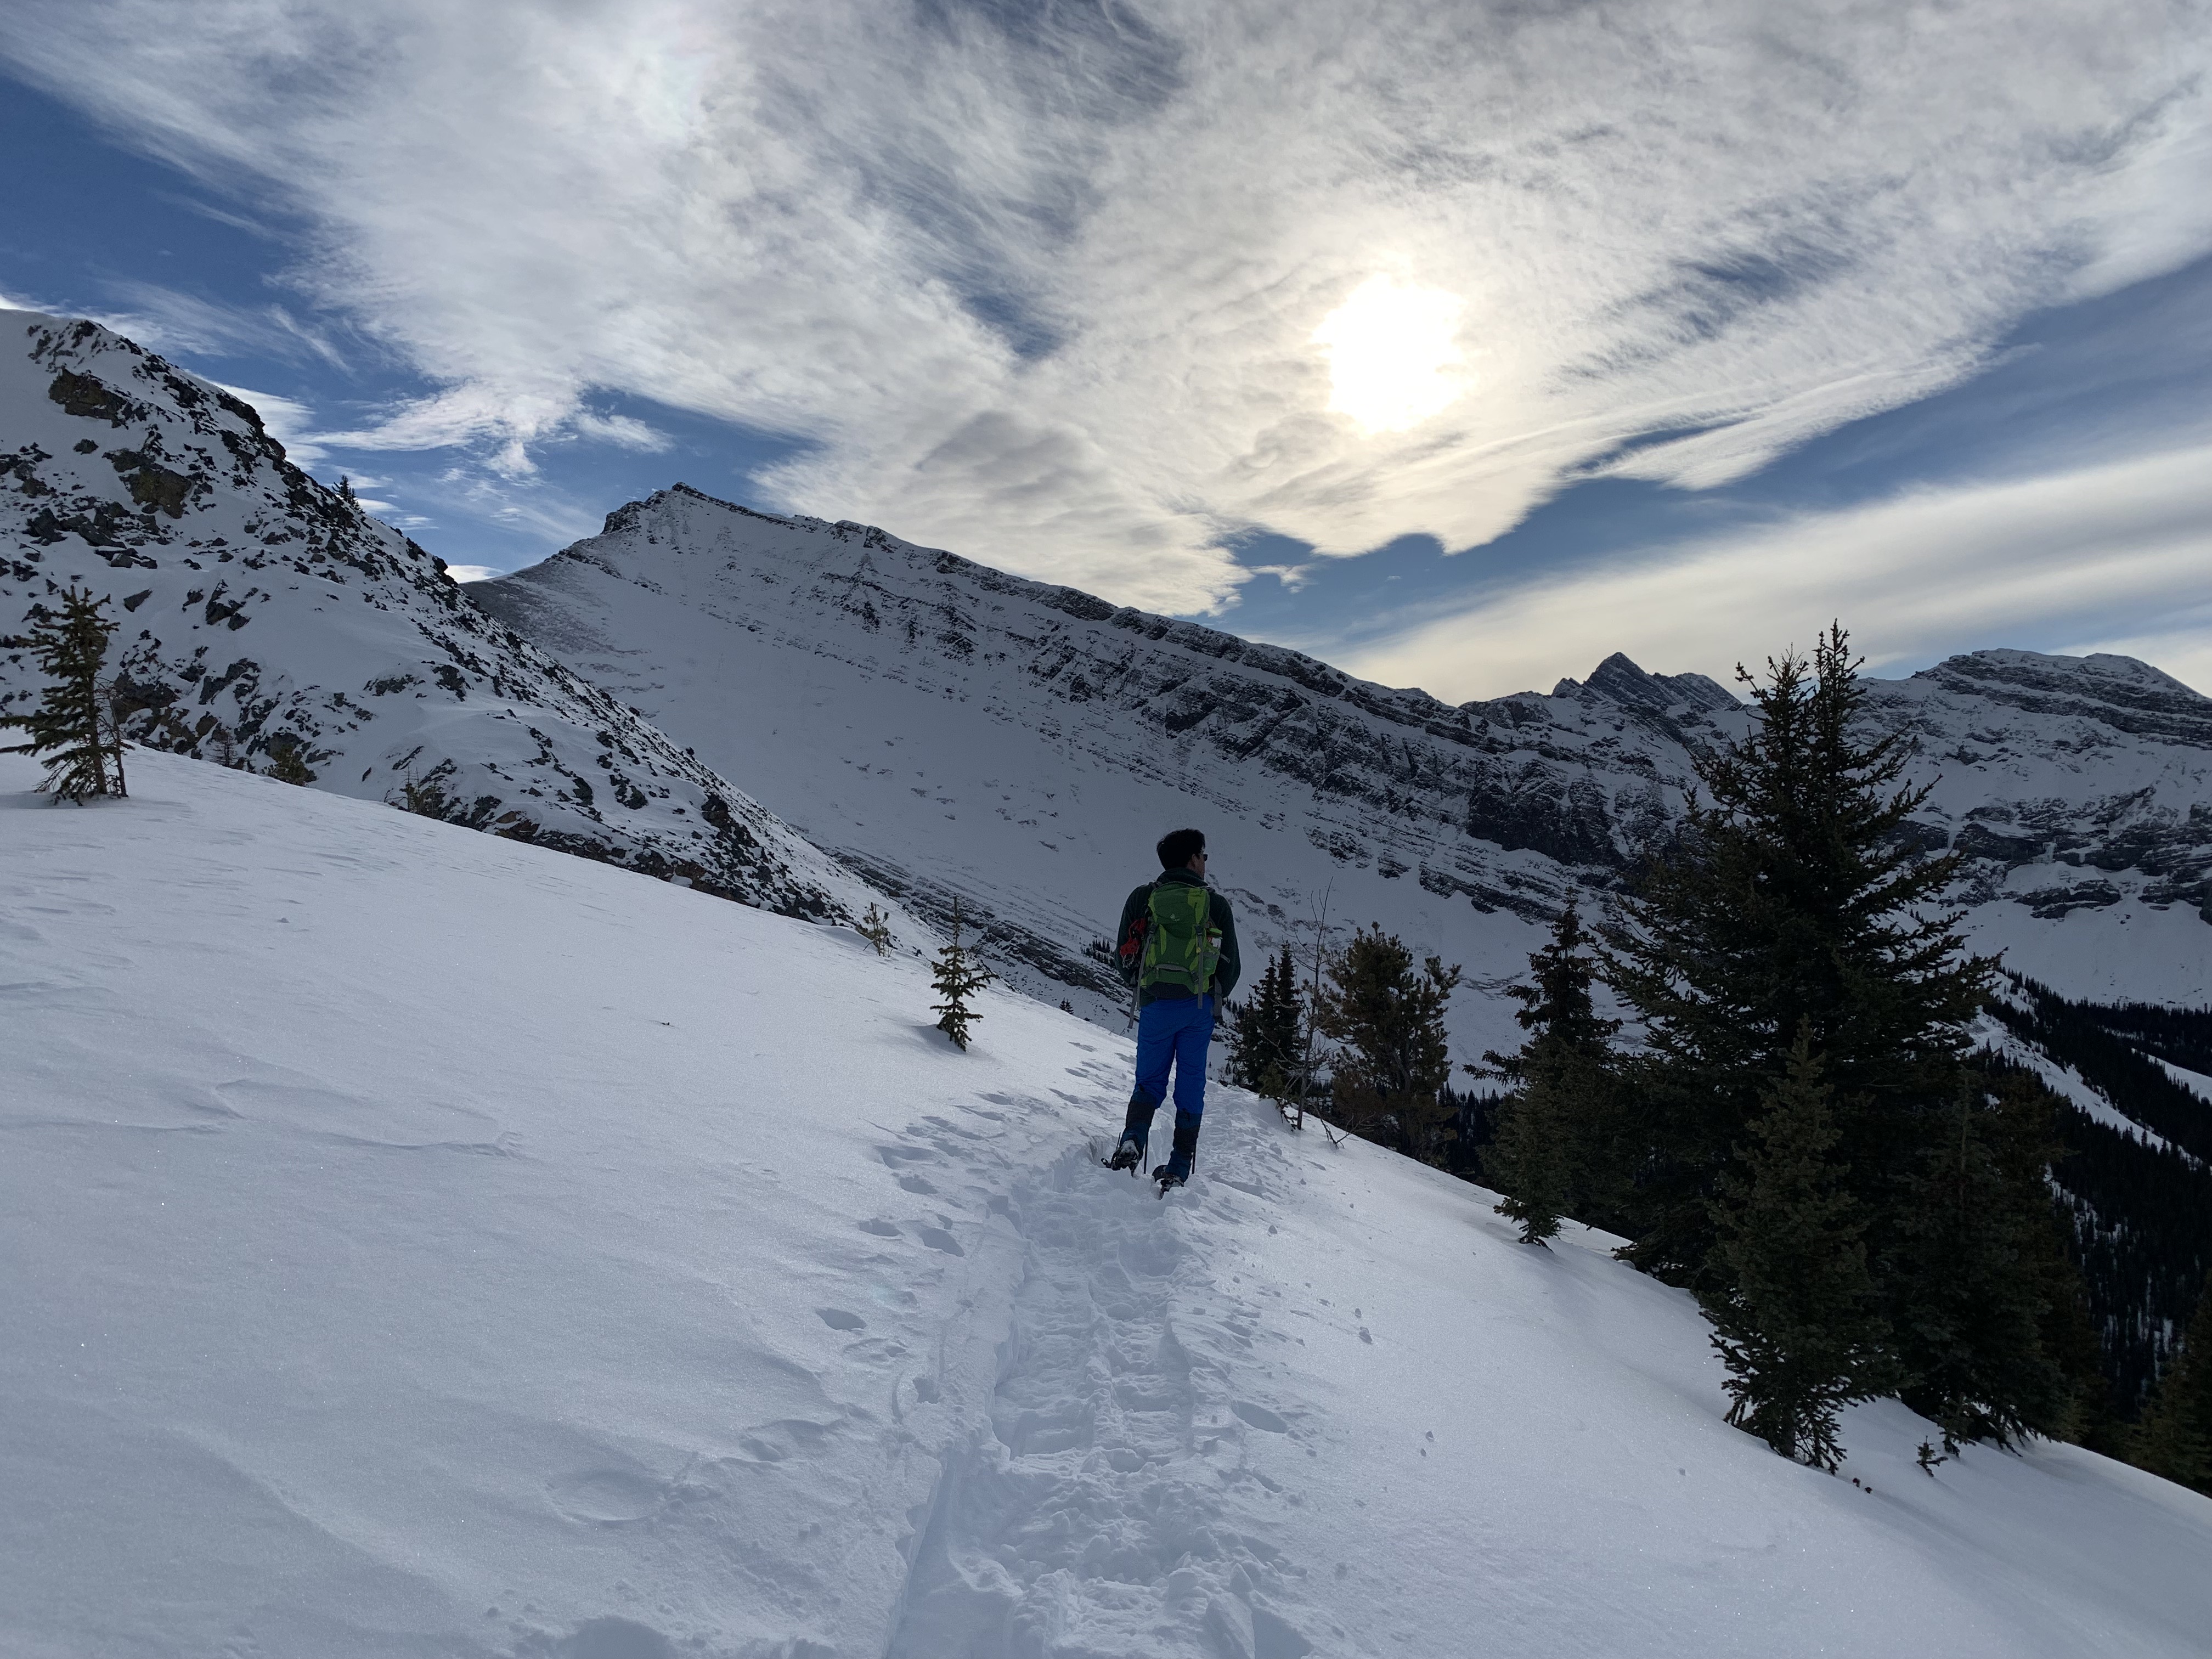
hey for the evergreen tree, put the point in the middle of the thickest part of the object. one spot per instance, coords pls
(288, 760)
(1983, 1264)
(959, 973)
(1559, 1145)
(1792, 901)
(1530, 1160)
(426, 797)
(1797, 1323)
(875, 927)
(2175, 1439)
(1396, 1059)
(1265, 1040)
(73, 726)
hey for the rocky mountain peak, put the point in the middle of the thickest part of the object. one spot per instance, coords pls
(267, 614)
(2116, 691)
(1619, 680)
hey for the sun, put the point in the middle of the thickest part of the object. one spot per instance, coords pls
(1391, 347)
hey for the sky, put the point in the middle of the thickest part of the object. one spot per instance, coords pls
(1461, 345)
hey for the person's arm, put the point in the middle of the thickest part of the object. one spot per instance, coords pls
(1231, 965)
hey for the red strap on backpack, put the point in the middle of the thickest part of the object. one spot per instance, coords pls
(1134, 946)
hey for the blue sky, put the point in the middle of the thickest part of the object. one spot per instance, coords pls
(1501, 346)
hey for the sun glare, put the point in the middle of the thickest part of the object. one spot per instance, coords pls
(1390, 348)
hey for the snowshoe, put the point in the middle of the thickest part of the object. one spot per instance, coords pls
(1176, 1170)
(1129, 1154)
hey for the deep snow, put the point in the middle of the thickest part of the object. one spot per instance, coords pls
(419, 1243)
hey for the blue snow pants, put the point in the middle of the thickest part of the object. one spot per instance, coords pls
(1175, 1031)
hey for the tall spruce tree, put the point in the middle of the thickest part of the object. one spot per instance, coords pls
(1559, 1148)
(2175, 1437)
(1797, 1323)
(1796, 903)
(1792, 900)
(75, 727)
(1264, 1040)
(1982, 1263)
(1396, 1059)
(959, 972)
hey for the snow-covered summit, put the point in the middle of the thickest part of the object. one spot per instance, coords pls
(957, 731)
(420, 1243)
(263, 610)
(2116, 691)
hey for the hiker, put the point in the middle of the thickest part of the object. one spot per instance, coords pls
(1178, 952)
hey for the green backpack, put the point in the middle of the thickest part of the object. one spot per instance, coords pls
(1182, 946)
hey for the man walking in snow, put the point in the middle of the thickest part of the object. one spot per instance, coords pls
(1178, 952)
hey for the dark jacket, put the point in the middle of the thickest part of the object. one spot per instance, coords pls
(1225, 972)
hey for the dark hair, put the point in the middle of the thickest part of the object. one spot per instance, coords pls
(1178, 847)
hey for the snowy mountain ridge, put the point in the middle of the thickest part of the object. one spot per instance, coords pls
(615, 1312)
(264, 610)
(954, 730)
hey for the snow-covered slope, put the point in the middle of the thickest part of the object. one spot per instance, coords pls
(421, 1243)
(263, 610)
(955, 730)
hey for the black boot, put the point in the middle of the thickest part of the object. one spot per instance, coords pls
(1176, 1170)
(1136, 1130)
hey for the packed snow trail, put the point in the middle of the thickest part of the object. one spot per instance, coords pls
(422, 1244)
(1106, 1511)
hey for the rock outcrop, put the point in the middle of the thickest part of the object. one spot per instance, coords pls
(269, 618)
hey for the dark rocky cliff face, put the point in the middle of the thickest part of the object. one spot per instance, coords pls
(2092, 774)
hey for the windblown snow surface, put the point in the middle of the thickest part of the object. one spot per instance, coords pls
(419, 1243)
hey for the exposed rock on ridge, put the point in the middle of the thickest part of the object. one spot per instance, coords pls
(266, 612)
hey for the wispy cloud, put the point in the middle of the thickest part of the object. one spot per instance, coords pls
(2066, 562)
(1042, 283)
(169, 321)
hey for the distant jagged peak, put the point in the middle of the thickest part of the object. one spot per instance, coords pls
(1619, 679)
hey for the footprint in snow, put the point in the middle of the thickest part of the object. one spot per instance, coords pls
(605, 1496)
(1103, 1413)
(938, 1239)
(838, 1319)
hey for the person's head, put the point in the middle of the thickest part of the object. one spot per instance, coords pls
(1183, 849)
